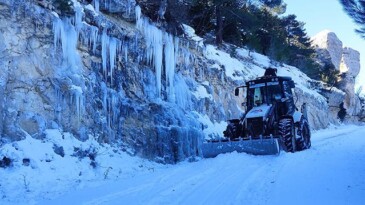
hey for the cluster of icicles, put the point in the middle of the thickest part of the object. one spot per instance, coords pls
(162, 52)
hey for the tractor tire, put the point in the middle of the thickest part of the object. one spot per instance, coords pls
(287, 133)
(304, 142)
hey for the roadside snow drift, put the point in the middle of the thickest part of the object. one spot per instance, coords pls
(331, 172)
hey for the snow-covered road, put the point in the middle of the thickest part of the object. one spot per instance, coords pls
(331, 172)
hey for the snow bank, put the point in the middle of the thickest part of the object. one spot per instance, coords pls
(54, 165)
(234, 178)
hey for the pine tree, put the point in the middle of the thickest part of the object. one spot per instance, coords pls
(229, 19)
(201, 15)
(300, 54)
(274, 6)
(257, 26)
(356, 10)
(330, 75)
(272, 3)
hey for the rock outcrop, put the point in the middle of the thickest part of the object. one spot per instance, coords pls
(347, 61)
(329, 47)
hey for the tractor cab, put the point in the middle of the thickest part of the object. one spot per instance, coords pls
(269, 90)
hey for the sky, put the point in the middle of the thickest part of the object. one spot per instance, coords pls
(319, 15)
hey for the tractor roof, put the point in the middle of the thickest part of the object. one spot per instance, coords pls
(265, 79)
(270, 75)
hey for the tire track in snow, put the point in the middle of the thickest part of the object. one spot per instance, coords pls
(215, 188)
(329, 137)
(324, 173)
(189, 190)
(117, 195)
(260, 184)
(181, 189)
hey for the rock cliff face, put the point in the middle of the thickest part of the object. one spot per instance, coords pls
(90, 74)
(107, 72)
(347, 62)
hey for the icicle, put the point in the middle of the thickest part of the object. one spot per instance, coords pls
(138, 17)
(71, 45)
(97, 6)
(112, 57)
(157, 57)
(183, 94)
(109, 49)
(177, 53)
(76, 92)
(79, 14)
(65, 33)
(186, 56)
(66, 36)
(89, 37)
(58, 31)
(110, 105)
(162, 46)
(107, 5)
(154, 43)
(104, 48)
(169, 66)
(94, 37)
(153, 37)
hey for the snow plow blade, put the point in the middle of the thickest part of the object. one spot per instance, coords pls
(255, 147)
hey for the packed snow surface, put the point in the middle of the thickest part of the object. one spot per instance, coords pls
(331, 172)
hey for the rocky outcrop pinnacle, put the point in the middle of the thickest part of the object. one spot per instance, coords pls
(329, 47)
(347, 61)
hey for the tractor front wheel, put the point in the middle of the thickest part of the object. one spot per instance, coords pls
(287, 133)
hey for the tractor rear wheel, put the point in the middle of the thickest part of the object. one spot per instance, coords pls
(287, 133)
(304, 142)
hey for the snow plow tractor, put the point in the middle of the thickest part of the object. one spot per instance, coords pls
(271, 122)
